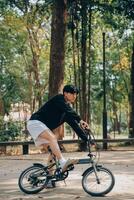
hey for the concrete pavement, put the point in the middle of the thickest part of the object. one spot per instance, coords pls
(121, 163)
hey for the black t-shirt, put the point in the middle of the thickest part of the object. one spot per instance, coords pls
(52, 112)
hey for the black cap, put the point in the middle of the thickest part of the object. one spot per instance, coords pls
(70, 89)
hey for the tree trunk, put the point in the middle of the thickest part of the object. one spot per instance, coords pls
(74, 60)
(2, 109)
(89, 69)
(34, 44)
(2, 112)
(30, 85)
(79, 66)
(131, 122)
(57, 50)
(83, 59)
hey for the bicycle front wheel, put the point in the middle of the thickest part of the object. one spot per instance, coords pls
(98, 184)
(32, 180)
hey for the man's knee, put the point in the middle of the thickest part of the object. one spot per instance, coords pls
(53, 138)
(48, 135)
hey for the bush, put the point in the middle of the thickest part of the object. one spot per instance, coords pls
(11, 133)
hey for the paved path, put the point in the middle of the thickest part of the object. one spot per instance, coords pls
(121, 163)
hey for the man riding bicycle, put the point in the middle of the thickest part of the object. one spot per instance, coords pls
(51, 115)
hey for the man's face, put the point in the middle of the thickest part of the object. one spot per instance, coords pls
(69, 97)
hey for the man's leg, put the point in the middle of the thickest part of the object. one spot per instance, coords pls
(50, 159)
(44, 148)
(51, 138)
(50, 183)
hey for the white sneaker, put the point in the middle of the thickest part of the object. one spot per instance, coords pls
(69, 162)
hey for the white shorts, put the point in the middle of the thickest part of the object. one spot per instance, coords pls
(35, 128)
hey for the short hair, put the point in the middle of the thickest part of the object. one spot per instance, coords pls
(70, 89)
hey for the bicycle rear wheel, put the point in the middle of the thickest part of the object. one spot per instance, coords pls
(100, 186)
(32, 180)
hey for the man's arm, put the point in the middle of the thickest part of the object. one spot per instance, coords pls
(78, 130)
(71, 115)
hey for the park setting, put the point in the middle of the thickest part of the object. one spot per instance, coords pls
(66, 81)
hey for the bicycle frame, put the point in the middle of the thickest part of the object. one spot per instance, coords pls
(41, 175)
(62, 176)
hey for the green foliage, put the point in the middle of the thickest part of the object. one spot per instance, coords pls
(9, 131)
(113, 17)
(126, 8)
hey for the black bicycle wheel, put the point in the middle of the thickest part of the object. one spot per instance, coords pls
(32, 180)
(100, 186)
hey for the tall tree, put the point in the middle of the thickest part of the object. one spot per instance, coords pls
(89, 67)
(84, 59)
(33, 19)
(131, 123)
(57, 51)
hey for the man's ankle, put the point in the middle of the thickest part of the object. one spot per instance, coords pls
(62, 162)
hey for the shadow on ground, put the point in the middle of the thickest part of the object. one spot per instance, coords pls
(120, 163)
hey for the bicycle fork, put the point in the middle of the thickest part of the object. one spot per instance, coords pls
(95, 172)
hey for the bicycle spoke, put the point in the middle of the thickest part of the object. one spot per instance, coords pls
(92, 186)
(32, 180)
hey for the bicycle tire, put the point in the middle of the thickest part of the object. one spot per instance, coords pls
(32, 181)
(90, 185)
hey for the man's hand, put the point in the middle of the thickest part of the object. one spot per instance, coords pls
(84, 124)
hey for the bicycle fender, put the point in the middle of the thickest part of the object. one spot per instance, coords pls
(39, 165)
(89, 169)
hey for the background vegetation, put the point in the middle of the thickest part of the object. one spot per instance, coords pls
(46, 44)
